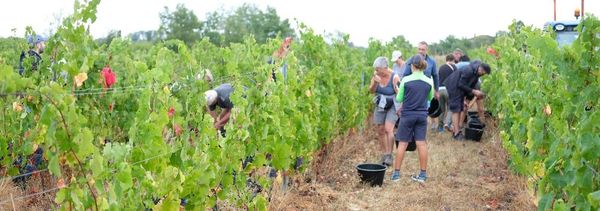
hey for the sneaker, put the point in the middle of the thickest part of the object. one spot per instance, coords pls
(448, 128)
(459, 136)
(388, 160)
(383, 158)
(419, 179)
(396, 176)
(440, 129)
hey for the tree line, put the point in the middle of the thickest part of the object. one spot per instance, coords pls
(220, 27)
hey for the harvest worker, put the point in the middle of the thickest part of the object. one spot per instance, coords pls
(461, 83)
(415, 93)
(279, 55)
(444, 71)
(398, 66)
(429, 71)
(37, 45)
(383, 86)
(457, 54)
(219, 96)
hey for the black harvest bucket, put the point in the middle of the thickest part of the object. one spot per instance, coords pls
(434, 108)
(371, 173)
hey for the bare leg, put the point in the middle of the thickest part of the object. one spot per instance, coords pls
(455, 122)
(389, 133)
(382, 138)
(400, 155)
(480, 109)
(422, 149)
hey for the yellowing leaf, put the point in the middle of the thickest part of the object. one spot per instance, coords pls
(60, 183)
(80, 78)
(17, 107)
(547, 110)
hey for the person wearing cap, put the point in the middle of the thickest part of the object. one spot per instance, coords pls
(415, 93)
(383, 85)
(457, 54)
(219, 97)
(37, 45)
(459, 84)
(431, 69)
(398, 66)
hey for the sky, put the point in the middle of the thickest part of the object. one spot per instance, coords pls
(422, 20)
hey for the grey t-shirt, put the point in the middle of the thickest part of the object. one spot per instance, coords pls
(223, 101)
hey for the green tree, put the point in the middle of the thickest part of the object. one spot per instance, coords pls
(213, 27)
(180, 24)
(249, 20)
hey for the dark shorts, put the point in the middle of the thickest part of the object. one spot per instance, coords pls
(412, 126)
(456, 101)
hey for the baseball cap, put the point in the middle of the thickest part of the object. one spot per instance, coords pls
(32, 40)
(396, 55)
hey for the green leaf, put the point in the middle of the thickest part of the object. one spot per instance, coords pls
(85, 147)
(281, 156)
(546, 202)
(594, 199)
(260, 203)
(97, 164)
(560, 205)
(61, 195)
(54, 165)
(124, 176)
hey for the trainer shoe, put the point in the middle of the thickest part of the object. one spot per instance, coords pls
(459, 136)
(388, 160)
(448, 127)
(396, 176)
(383, 158)
(440, 129)
(419, 179)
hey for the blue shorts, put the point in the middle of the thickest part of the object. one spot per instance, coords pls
(456, 101)
(412, 127)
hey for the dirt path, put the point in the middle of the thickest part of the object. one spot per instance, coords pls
(463, 175)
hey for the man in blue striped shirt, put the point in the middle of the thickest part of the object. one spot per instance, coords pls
(431, 69)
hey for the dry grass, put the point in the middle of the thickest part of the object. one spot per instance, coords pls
(14, 197)
(463, 175)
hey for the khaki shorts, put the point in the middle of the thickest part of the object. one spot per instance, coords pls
(389, 115)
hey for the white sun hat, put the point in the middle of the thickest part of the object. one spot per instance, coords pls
(211, 97)
(396, 55)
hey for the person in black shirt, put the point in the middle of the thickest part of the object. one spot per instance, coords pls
(219, 97)
(37, 45)
(459, 84)
(445, 71)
